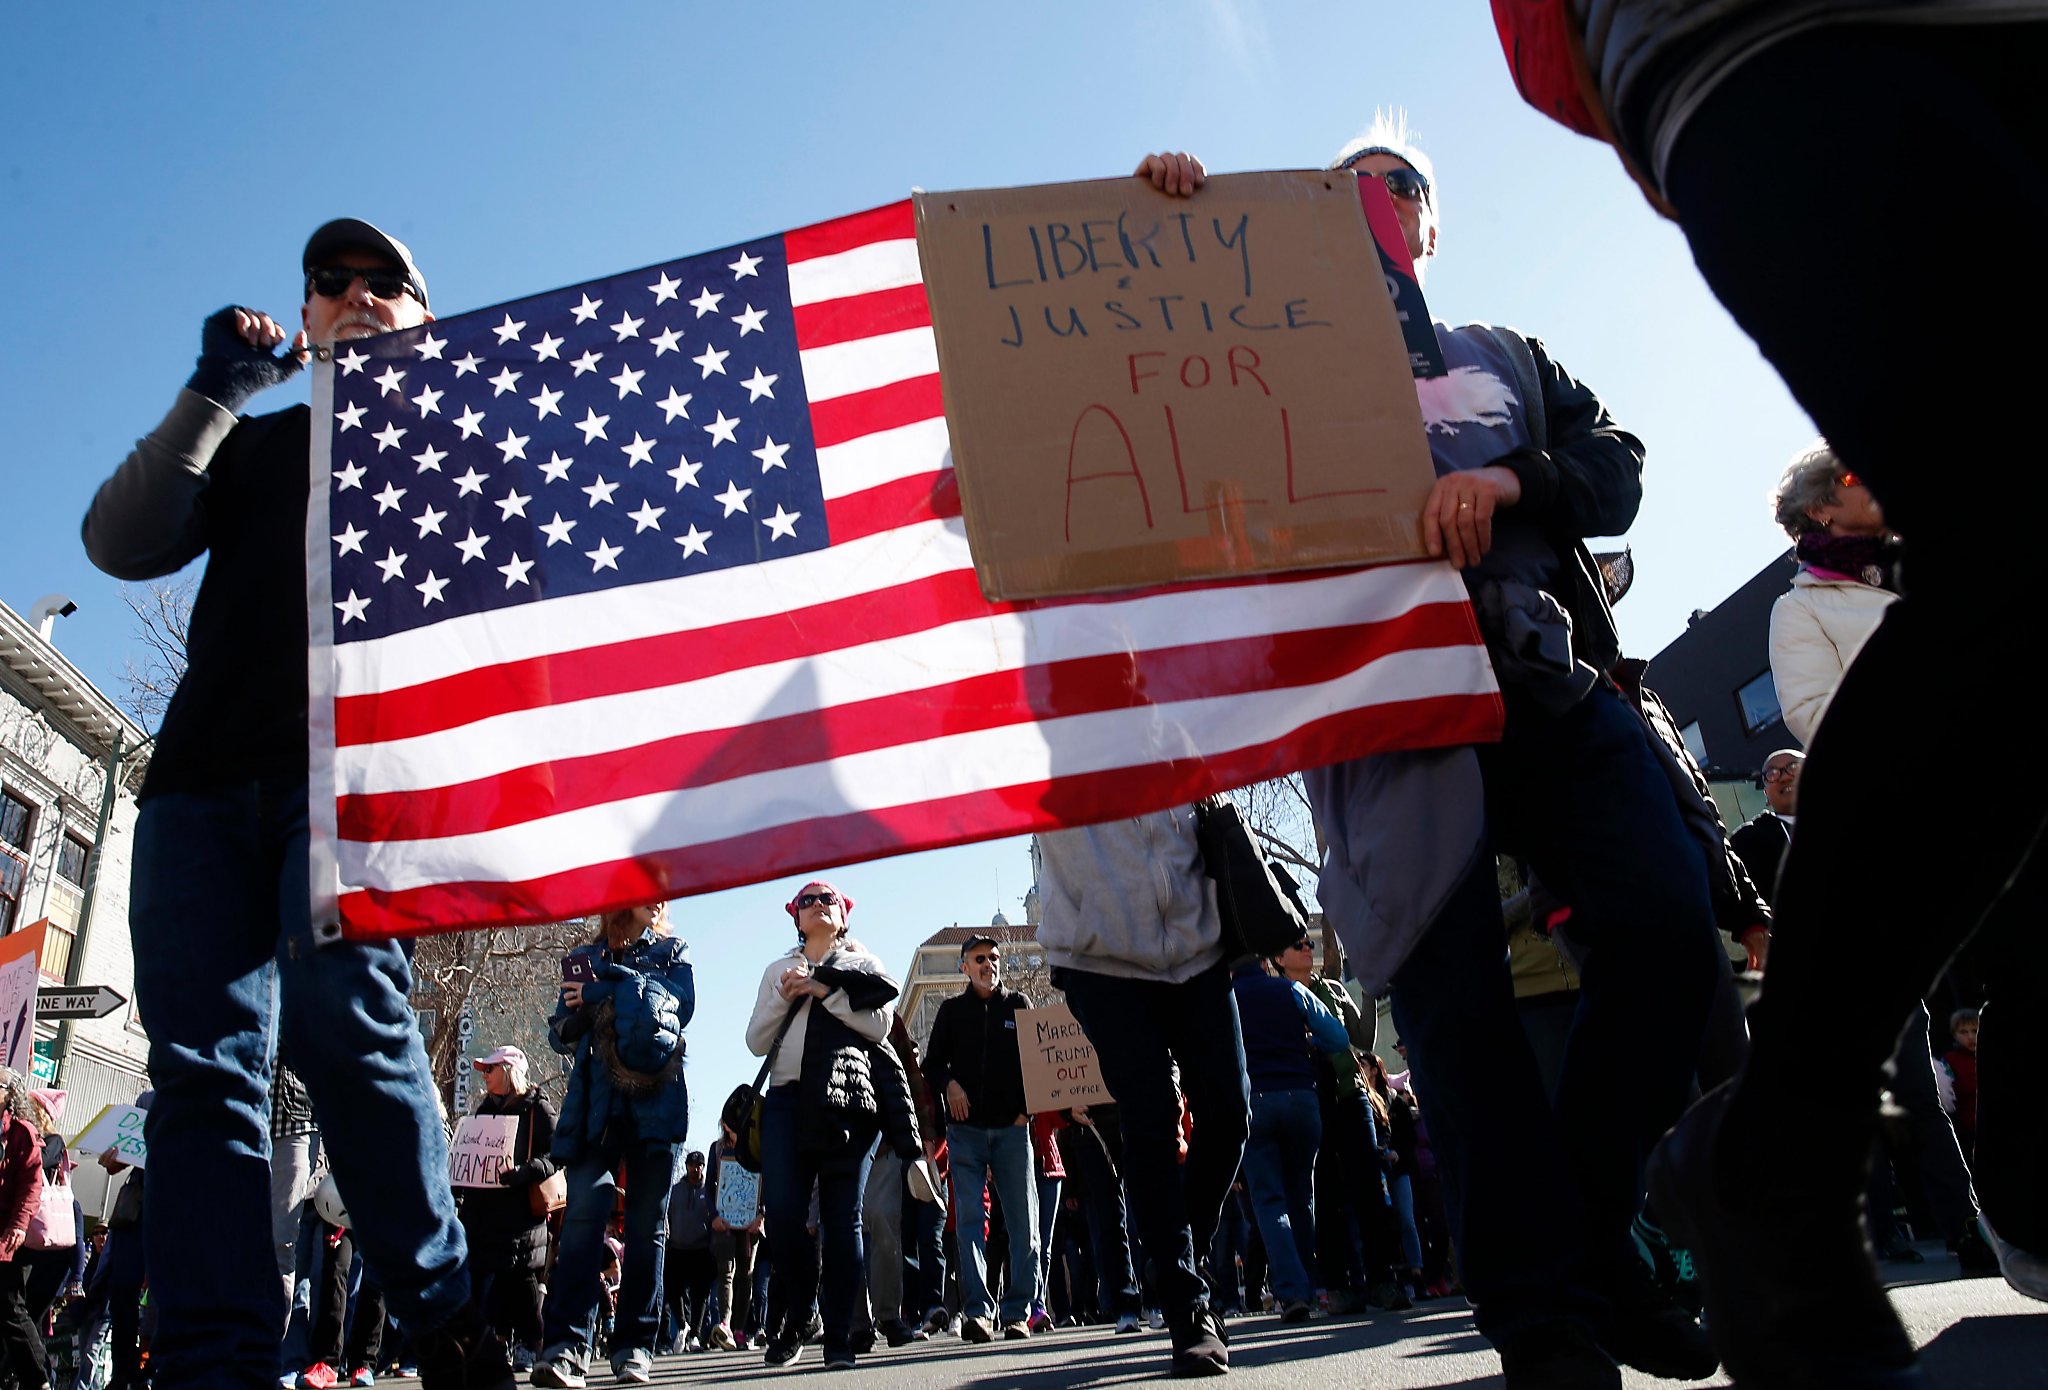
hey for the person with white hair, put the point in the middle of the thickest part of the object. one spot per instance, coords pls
(507, 1228)
(1529, 464)
(1848, 576)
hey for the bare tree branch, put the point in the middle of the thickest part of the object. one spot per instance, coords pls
(162, 609)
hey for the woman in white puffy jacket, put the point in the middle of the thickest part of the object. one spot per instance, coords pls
(1847, 577)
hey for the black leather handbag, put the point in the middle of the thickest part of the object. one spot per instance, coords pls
(1261, 917)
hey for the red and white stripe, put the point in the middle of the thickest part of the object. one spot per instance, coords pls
(865, 700)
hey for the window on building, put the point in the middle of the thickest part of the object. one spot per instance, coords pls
(1695, 742)
(17, 828)
(1757, 700)
(71, 859)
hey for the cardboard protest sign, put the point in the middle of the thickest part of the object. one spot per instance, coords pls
(117, 1129)
(20, 975)
(482, 1149)
(1142, 389)
(1059, 1061)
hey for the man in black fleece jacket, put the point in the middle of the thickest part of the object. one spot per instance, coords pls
(973, 1060)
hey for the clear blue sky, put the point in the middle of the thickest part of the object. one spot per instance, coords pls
(163, 160)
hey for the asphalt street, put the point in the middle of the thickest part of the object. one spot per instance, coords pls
(1973, 1333)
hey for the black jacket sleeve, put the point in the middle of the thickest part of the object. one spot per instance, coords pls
(938, 1052)
(1588, 480)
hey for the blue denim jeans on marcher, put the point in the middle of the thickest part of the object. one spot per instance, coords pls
(788, 1173)
(569, 1317)
(1140, 1029)
(1088, 1163)
(1048, 1218)
(1401, 1190)
(1280, 1173)
(924, 1256)
(1586, 798)
(224, 954)
(976, 1154)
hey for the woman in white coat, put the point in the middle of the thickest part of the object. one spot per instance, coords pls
(1847, 577)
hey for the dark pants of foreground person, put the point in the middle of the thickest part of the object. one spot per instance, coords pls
(788, 1173)
(1584, 798)
(1140, 1028)
(21, 1341)
(1795, 184)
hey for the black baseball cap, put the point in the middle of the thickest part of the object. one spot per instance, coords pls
(354, 234)
(973, 941)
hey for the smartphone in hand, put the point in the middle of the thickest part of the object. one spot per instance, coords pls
(578, 970)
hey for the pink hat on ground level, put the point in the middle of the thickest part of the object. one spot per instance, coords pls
(499, 1056)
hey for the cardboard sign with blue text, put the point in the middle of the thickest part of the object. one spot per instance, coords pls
(1059, 1061)
(1141, 389)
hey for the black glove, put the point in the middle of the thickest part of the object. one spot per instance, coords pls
(230, 370)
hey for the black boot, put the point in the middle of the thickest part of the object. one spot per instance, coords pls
(1793, 1298)
(463, 1354)
(1199, 1346)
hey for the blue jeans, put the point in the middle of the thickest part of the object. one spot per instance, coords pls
(788, 1173)
(569, 1317)
(1091, 1169)
(1402, 1190)
(1048, 1218)
(1140, 1029)
(1280, 1170)
(976, 1153)
(224, 954)
(1585, 798)
(924, 1256)
(1226, 1255)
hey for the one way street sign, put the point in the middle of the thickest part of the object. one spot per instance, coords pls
(85, 1001)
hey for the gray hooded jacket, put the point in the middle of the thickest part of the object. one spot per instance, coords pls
(1129, 898)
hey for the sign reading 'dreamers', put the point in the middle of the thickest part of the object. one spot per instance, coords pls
(1142, 389)
(1058, 1059)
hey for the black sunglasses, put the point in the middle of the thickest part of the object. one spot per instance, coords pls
(332, 281)
(804, 900)
(1402, 182)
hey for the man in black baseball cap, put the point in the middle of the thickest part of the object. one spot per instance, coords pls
(223, 937)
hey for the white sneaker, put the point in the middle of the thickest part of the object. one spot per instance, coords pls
(633, 1366)
(1158, 1320)
(1127, 1322)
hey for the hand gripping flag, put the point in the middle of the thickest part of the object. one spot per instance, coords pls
(658, 585)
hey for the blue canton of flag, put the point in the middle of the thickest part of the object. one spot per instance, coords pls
(637, 428)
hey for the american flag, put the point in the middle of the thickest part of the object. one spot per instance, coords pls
(658, 585)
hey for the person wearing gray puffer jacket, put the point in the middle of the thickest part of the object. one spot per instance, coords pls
(1131, 928)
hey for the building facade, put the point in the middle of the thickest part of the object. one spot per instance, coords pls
(65, 848)
(1716, 678)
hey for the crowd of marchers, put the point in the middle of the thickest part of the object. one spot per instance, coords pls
(1687, 1185)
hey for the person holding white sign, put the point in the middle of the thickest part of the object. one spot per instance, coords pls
(507, 1227)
